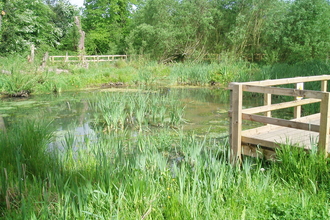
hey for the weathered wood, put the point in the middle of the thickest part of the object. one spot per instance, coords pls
(297, 109)
(324, 85)
(31, 59)
(81, 42)
(324, 123)
(258, 152)
(281, 122)
(274, 82)
(268, 102)
(306, 132)
(284, 91)
(87, 58)
(236, 123)
(278, 106)
(257, 141)
(278, 136)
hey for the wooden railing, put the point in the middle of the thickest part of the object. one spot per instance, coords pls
(85, 58)
(302, 97)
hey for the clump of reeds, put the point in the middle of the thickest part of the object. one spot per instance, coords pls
(118, 111)
(155, 175)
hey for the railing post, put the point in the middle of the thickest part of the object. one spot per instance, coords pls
(297, 109)
(236, 123)
(268, 101)
(66, 57)
(324, 124)
(324, 85)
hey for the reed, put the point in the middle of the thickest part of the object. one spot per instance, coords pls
(130, 171)
(118, 111)
(159, 175)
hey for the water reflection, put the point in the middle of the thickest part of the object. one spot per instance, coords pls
(205, 111)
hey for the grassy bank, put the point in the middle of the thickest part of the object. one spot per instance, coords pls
(153, 175)
(20, 77)
(141, 164)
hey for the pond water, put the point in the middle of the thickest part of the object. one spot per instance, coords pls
(205, 110)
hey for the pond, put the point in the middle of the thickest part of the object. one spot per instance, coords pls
(205, 110)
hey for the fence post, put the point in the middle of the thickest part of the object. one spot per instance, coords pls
(324, 85)
(324, 124)
(66, 57)
(268, 101)
(297, 109)
(236, 123)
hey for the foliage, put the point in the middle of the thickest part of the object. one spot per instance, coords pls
(157, 175)
(63, 19)
(136, 111)
(25, 147)
(268, 31)
(169, 31)
(105, 23)
(166, 28)
(305, 33)
(34, 22)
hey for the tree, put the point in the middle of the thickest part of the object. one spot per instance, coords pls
(248, 35)
(163, 28)
(34, 22)
(306, 33)
(105, 23)
(63, 19)
(25, 23)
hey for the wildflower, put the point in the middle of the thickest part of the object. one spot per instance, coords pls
(262, 169)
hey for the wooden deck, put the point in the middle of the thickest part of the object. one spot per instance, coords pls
(308, 132)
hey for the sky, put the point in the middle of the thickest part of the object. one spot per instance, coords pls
(77, 2)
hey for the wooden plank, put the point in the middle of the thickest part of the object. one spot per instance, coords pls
(324, 124)
(274, 82)
(258, 152)
(260, 142)
(278, 106)
(297, 109)
(311, 119)
(324, 85)
(315, 128)
(268, 102)
(287, 136)
(284, 91)
(281, 122)
(236, 123)
(90, 58)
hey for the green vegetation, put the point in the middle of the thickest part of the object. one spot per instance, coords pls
(119, 111)
(170, 30)
(18, 75)
(141, 164)
(153, 175)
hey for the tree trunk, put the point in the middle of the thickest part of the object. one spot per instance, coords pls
(81, 43)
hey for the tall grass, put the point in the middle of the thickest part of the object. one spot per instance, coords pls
(155, 175)
(119, 111)
(57, 77)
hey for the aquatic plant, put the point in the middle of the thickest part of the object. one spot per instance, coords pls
(118, 111)
(155, 175)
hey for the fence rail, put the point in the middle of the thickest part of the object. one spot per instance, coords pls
(277, 131)
(85, 58)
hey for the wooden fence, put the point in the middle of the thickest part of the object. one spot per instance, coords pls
(298, 131)
(85, 58)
